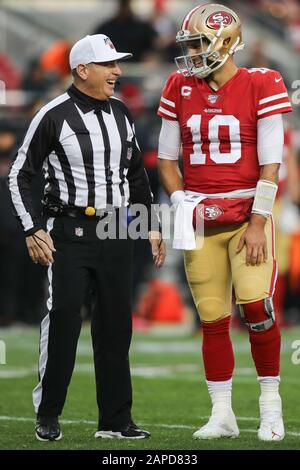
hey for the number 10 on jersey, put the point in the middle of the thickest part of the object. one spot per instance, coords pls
(233, 124)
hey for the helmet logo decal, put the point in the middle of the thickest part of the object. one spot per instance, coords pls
(215, 20)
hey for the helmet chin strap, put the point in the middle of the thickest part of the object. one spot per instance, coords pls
(236, 47)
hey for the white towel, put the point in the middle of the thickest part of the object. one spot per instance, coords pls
(184, 234)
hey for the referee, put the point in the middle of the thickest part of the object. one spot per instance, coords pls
(85, 142)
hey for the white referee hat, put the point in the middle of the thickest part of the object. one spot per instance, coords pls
(95, 48)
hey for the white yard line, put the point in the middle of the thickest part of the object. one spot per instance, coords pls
(62, 421)
(155, 346)
(188, 372)
(157, 425)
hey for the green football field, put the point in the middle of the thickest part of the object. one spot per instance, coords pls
(170, 396)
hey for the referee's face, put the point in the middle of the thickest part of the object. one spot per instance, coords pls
(102, 78)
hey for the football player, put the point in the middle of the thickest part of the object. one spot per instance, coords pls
(228, 121)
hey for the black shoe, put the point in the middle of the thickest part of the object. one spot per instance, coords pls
(129, 431)
(47, 429)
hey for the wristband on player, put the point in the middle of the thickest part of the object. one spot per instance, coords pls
(264, 197)
(177, 196)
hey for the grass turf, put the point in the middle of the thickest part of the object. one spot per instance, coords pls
(170, 396)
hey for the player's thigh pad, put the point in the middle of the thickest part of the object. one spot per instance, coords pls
(209, 278)
(253, 283)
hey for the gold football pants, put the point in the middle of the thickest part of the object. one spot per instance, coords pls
(216, 267)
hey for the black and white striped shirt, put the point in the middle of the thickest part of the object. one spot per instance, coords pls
(89, 154)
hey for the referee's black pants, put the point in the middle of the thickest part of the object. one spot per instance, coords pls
(79, 258)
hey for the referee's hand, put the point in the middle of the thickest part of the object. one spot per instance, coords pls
(40, 248)
(158, 248)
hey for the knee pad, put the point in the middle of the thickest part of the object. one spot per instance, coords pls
(211, 309)
(258, 316)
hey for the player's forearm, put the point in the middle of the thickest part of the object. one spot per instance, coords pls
(170, 176)
(270, 172)
(258, 220)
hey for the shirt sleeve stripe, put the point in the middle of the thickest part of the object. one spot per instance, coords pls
(165, 111)
(273, 98)
(272, 108)
(170, 103)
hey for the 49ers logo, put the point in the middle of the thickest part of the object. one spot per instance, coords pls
(215, 20)
(209, 212)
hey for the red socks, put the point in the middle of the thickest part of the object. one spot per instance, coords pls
(265, 345)
(217, 350)
(265, 348)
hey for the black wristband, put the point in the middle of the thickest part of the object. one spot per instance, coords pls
(34, 229)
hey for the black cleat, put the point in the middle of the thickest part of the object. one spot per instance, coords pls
(47, 429)
(129, 431)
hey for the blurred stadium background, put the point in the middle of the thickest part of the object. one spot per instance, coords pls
(35, 39)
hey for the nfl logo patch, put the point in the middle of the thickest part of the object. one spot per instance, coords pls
(213, 98)
(79, 232)
(129, 153)
(109, 43)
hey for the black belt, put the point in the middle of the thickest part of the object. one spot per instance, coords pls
(58, 209)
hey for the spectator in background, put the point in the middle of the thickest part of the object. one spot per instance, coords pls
(36, 80)
(20, 298)
(132, 95)
(9, 249)
(258, 59)
(293, 24)
(166, 30)
(129, 32)
(55, 59)
(286, 220)
(9, 73)
(20, 295)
